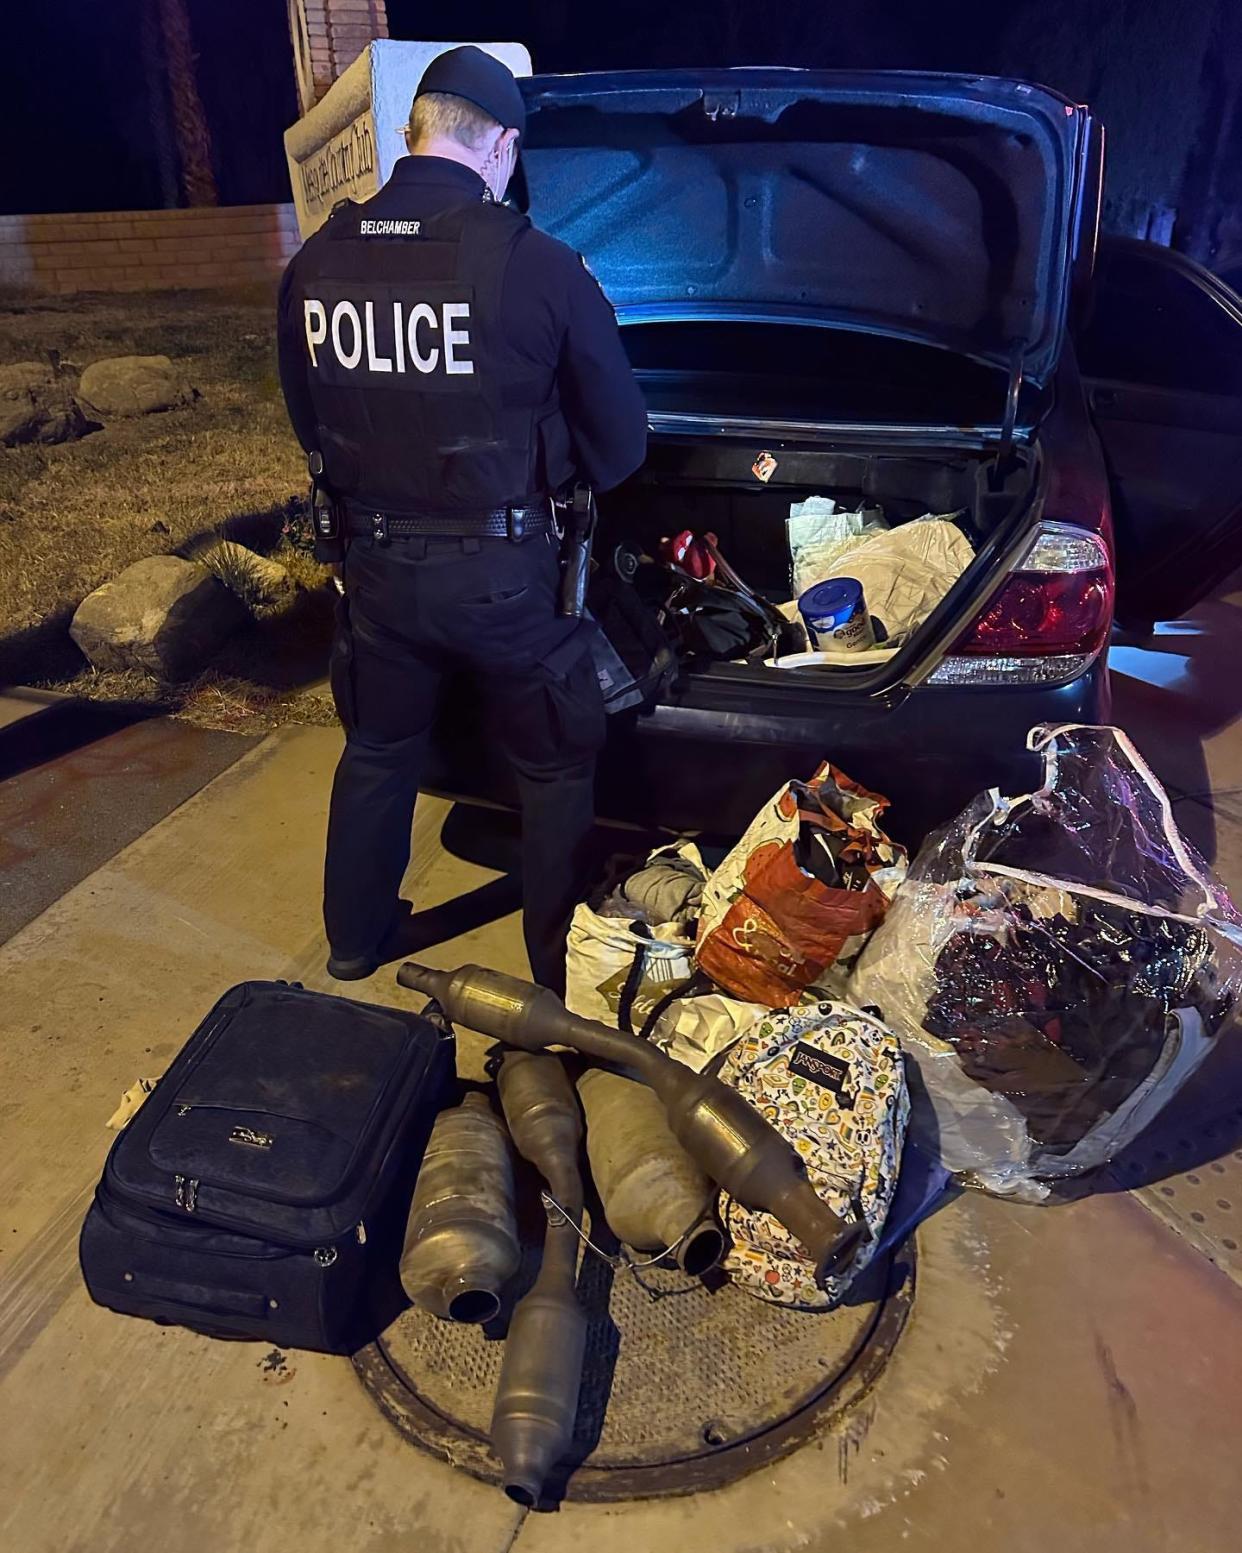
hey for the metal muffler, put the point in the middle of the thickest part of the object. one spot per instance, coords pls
(654, 1195)
(540, 1376)
(461, 1244)
(721, 1131)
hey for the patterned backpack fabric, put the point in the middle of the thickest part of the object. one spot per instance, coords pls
(830, 1079)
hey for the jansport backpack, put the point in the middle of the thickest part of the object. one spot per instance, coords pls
(261, 1189)
(831, 1080)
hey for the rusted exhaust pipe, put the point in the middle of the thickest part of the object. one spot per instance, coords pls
(461, 1245)
(541, 1374)
(725, 1135)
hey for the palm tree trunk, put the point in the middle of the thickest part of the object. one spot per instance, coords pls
(159, 119)
(198, 181)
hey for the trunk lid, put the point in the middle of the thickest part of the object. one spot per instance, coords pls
(945, 210)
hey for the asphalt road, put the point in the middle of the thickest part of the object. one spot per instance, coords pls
(79, 781)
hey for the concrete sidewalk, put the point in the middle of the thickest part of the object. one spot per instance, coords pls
(1070, 1377)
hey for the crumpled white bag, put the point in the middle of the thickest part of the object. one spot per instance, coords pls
(695, 1029)
(621, 971)
(904, 572)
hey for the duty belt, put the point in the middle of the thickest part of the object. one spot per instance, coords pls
(513, 523)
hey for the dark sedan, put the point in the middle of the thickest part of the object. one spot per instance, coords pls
(889, 284)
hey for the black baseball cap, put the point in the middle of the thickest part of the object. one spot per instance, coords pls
(481, 79)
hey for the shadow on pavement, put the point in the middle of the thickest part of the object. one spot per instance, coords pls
(62, 727)
(1199, 1125)
(1174, 693)
(453, 919)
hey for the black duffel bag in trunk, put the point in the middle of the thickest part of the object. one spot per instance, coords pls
(261, 1189)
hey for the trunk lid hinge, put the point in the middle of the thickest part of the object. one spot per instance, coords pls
(1013, 393)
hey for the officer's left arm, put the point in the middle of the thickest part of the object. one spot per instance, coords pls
(291, 359)
(600, 397)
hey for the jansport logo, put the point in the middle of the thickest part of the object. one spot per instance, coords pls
(828, 1072)
(406, 341)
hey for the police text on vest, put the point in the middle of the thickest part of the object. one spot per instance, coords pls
(411, 337)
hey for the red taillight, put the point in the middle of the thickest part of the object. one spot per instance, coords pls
(1058, 599)
(1047, 623)
(1041, 614)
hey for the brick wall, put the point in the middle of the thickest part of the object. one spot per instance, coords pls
(145, 250)
(333, 34)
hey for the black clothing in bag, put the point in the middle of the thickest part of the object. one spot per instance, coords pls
(633, 658)
(261, 1189)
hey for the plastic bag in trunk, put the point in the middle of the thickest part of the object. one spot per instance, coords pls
(820, 536)
(904, 572)
(1057, 965)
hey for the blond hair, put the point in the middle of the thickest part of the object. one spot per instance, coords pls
(442, 116)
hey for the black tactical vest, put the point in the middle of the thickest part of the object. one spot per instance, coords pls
(422, 406)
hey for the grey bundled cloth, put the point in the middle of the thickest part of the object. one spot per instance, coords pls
(668, 888)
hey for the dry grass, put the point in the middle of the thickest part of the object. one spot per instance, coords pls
(211, 700)
(224, 467)
(73, 515)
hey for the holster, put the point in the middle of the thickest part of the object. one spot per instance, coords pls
(580, 517)
(325, 515)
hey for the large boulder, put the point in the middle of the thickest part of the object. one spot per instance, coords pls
(163, 615)
(36, 406)
(132, 385)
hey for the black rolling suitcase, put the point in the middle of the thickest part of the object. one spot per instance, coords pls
(261, 1189)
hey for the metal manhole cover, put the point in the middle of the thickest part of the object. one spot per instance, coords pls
(1190, 1175)
(680, 1393)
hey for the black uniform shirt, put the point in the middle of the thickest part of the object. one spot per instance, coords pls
(554, 314)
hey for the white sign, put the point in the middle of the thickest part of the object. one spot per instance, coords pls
(344, 168)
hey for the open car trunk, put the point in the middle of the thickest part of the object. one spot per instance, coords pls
(844, 418)
(724, 735)
(866, 276)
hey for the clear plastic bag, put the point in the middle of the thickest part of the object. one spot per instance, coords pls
(1056, 965)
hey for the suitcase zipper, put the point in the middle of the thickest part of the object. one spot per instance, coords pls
(187, 1192)
(187, 1199)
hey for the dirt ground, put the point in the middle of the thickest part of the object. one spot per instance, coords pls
(75, 514)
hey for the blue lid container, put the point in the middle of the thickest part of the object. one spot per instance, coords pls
(835, 611)
(837, 599)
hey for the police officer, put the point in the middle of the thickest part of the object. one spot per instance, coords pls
(453, 367)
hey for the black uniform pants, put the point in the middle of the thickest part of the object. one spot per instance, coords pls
(415, 609)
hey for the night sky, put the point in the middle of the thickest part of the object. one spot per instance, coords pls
(1162, 74)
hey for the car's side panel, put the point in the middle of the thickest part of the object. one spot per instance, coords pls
(688, 767)
(1162, 356)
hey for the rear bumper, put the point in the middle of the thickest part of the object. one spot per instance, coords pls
(688, 768)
